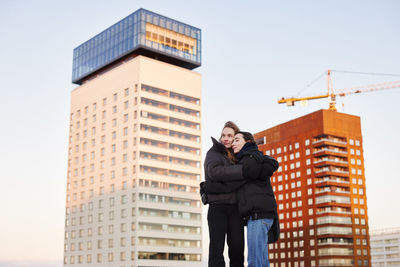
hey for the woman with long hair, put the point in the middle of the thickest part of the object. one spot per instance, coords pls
(223, 216)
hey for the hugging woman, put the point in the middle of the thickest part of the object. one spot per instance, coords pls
(255, 200)
(223, 215)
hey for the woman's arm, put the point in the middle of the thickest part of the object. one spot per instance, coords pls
(270, 165)
(221, 188)
(251, 167)
(261, 168)
(216, 171)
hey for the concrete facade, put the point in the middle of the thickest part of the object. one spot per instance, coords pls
(134, 167)
(385, 247)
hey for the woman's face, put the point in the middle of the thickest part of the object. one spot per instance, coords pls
(227, 137)
(238, 143)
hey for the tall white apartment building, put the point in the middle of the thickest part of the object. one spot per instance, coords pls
(135, 147)
(385, 247)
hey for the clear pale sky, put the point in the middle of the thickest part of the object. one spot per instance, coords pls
(253, 53)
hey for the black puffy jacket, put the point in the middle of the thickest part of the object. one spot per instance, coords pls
(256, 198)
(256, 195)
(219, 168)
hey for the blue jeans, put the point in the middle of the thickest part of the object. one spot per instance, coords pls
(257, 242)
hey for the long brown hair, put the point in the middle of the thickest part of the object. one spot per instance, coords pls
(235, 128)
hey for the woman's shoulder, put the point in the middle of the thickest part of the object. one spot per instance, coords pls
(213, 154)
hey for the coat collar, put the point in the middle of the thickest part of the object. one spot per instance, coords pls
(246, 149)
(217, 146)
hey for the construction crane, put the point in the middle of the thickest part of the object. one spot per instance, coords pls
(331, 94)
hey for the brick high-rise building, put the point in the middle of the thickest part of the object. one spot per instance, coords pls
(135, 146)
(320, 191)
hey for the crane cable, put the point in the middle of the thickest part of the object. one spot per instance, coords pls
(344, 71)
(367, 73)
(311, 83)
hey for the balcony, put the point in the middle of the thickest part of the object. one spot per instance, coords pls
(332, 180)
(335, 141)
(331, 169)
(333, 199)
(334, 230)
(329, 189)
(331, 161)
(337, 252)
(326, 211)
(335, 241)
(330, 150)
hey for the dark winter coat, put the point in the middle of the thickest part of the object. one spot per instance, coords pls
(219, 168)
(256, 197)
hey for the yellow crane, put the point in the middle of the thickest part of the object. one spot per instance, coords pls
(331, 94)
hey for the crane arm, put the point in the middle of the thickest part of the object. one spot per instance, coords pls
(331, 94)
(368, 88)
(290, 101)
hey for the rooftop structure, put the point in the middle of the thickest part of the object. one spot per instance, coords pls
(141, 33)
